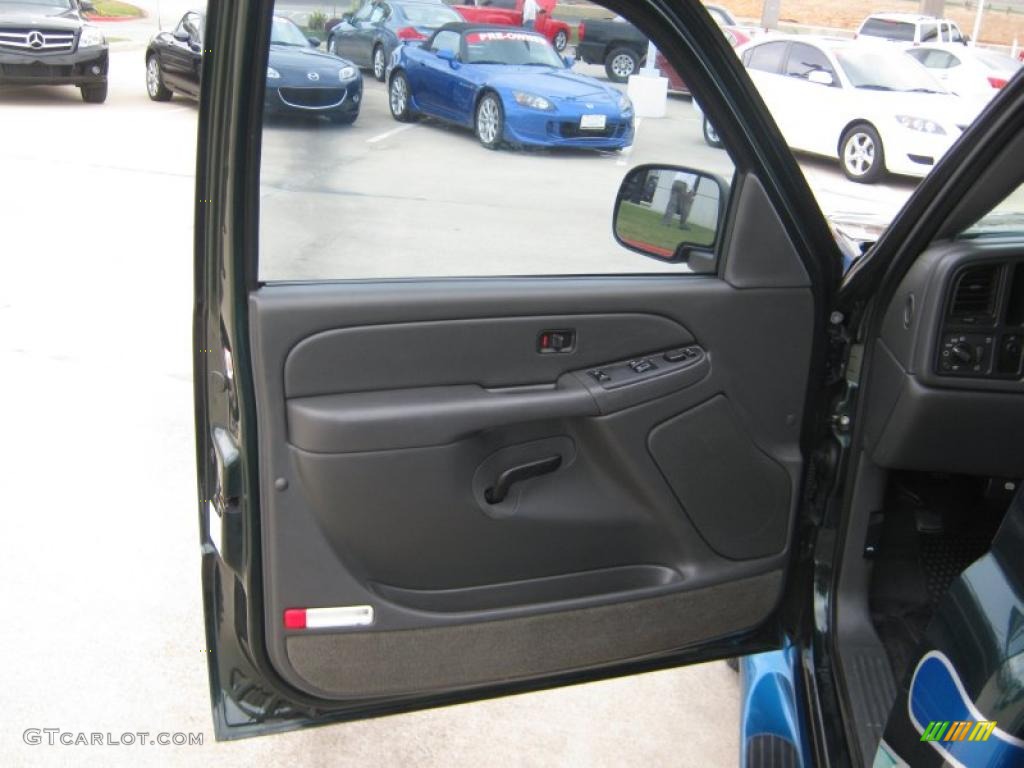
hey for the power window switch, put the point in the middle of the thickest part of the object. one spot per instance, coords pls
(600, 377)
(641, 366)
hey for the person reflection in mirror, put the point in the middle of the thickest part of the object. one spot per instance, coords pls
(680, 201)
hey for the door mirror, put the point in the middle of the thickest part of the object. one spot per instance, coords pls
(569, 61)
(821, 77)
(314, 42)
(669, 212)
(86, 6)
(180, 35)
(449, 56)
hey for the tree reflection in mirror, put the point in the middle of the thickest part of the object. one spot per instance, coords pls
(668, 211)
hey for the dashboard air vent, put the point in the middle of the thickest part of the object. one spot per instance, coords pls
(974, 298)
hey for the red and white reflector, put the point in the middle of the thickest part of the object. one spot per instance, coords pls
(328, 618)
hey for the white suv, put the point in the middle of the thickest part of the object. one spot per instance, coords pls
(911, 28)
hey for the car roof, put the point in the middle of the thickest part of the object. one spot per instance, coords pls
(908, 17)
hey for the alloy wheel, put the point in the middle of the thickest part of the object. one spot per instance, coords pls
(859, 154)
(622, 65)
(153, 76)
(378, 63)
(487, 119)
(399, 96)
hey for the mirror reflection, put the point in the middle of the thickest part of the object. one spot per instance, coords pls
(662, 211)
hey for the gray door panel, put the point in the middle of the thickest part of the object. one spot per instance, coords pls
(387, 411)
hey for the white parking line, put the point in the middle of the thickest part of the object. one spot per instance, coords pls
(624, 155)
(389, 134)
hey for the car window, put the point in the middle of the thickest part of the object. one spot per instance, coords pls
(364, 12)
(376, 15)
(190, 25)
(766, 57)
(889, 29)
(422, 15)
(883, 68)
(510, 4)
(1006, 218)
(804, 59)
(933, 58)
(350, 192)
(719, 17)
(956, 36)
(446, 40)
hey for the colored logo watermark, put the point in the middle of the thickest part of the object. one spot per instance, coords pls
(958, 730)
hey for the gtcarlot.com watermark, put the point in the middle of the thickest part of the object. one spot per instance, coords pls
(55, 737)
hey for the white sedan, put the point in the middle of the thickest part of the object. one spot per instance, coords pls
(974, 73)
(870, 106)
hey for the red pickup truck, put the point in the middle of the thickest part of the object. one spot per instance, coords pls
(509, 13)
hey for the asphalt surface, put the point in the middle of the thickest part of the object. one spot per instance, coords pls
(99, 560)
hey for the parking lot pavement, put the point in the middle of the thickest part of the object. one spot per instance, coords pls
(99, 559)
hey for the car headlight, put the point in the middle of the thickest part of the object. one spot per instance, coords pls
(532, 101)
(347, 73)
(273, 74)
(625, 105)
(91, 37)
(922, 124)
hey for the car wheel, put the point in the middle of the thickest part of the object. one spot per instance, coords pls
(490, 121)
(861, 154)
(561, 40)
(94, 94)
(399, 97)
(711, 135)
(380, 64)
(155, 80)
(620, 64)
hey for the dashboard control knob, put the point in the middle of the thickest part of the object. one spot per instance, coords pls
(963, 353)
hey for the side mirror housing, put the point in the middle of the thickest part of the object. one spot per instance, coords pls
(820, 77)
(87, 6)
(569, 61)
(671, 213)
(314, 42)
(450, 56)
(180, 35)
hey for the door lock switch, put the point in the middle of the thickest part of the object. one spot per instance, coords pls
(600, 377)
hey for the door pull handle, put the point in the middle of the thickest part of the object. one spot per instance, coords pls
(513, 475)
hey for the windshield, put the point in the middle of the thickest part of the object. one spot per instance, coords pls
(284, 32)
(1005, 218)
(429, 15)
(878, 69)
(519, 48)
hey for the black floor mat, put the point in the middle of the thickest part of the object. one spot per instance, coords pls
(914, 569)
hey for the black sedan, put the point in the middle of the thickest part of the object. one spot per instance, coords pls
(300, 79)
(368, 36)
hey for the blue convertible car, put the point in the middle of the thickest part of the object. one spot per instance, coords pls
(510, 86)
